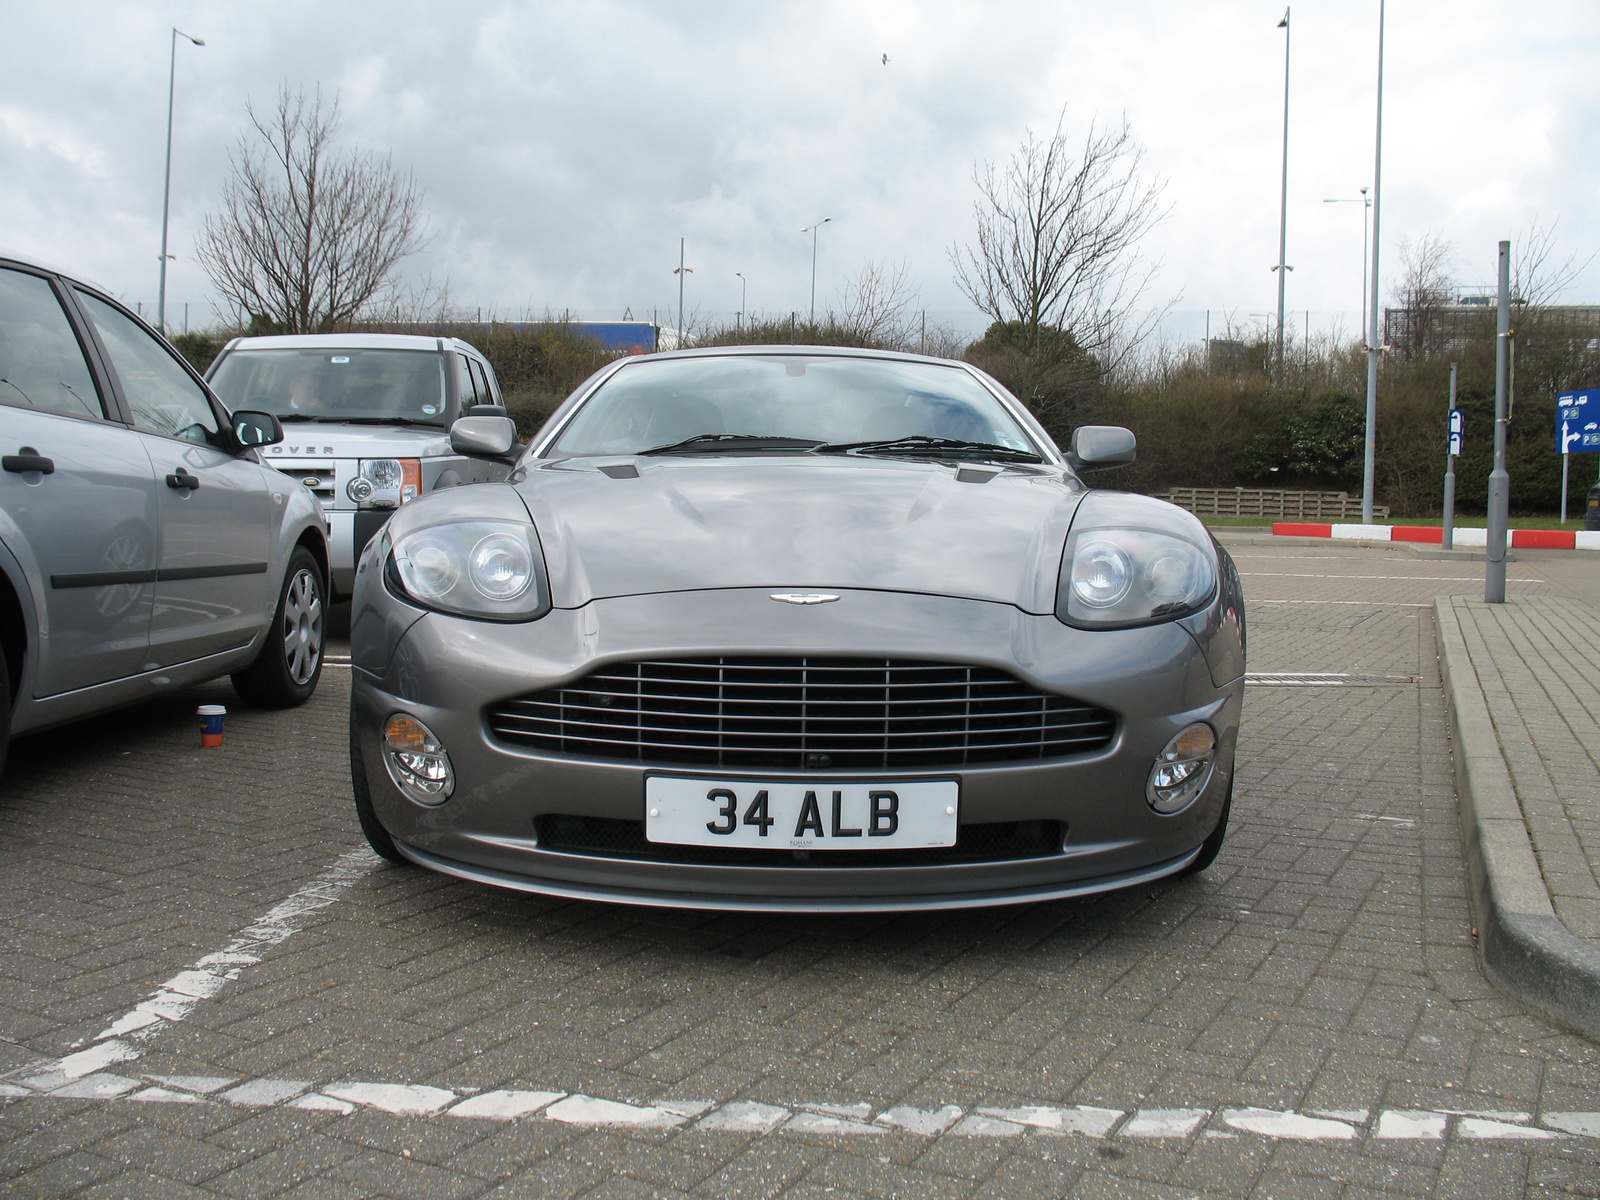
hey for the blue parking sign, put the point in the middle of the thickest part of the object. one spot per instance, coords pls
(1578, 421)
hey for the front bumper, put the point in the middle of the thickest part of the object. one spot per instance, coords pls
(349, 532)
(447, 671)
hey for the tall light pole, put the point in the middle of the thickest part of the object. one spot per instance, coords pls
(680, 271)
(743, 284)
(1494, 567)
(166, 190)
(1366, 215)
(812, 230)
(1374, 335)
(1283, 204)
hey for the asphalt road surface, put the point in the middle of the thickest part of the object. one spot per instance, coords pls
(208, 988)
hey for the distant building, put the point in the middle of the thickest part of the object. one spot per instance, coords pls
(1435, 327)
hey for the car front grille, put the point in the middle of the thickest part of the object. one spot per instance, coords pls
(605, 837)
(803, 714)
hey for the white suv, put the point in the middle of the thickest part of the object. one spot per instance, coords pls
(366, 419)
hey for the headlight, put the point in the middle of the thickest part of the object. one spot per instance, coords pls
(386, 482)
(490, 569)
(1120, 577)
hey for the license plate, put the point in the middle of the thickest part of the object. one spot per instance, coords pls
(780, 815)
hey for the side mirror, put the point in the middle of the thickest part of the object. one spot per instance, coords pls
(1101, 447)
(483, 437)
(256, 429)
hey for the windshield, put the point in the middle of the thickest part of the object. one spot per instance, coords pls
(799, 398)
(335, 385)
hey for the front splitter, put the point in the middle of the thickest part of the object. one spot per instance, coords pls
(720, 903)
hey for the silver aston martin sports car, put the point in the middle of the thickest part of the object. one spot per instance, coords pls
(795, 628)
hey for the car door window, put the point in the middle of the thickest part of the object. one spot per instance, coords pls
(41, 363)
(162, 397)
(469, 385)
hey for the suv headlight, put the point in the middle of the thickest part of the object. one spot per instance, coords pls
(1121, 577)
(489, 569)
(386, 482)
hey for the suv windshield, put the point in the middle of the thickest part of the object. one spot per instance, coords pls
(789, 402)
(335, 385)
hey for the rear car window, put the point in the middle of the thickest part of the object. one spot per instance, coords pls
(41, 363)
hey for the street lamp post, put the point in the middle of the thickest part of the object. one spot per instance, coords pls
(812, 230)
(1283, 205)
(1374, 335)
(1494, 567)
(1366, 213)
(166, 190)
(743, 284)
(680, 271)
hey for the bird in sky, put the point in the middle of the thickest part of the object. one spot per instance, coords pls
(886, 60)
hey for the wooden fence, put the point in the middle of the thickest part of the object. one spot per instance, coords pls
(1270, 504)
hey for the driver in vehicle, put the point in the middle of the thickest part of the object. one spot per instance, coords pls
(303, 393)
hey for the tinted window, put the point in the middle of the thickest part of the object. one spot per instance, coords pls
(335, 385)
(162, 396)
(649, 404)
(467, 381)
(41, 363)
(485, 396)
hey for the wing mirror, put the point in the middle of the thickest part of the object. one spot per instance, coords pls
(1101, 447)
(252, 429)
(484, 437)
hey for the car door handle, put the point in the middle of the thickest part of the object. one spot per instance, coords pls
(182, 480)
(20, 463)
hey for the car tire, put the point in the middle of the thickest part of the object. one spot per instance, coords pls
(377, 836)
(285, 672)
(1213, 843)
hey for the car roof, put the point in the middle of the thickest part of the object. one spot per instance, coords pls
(350, 341)
(28, 260)
(786, 349)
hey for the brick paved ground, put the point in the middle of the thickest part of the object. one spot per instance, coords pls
(1325, 962)
(1538, 663)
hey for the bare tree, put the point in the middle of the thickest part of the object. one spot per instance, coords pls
(1538, 276)
(308, 235)
(876, 304)
(1427, 285)
(1057, 257)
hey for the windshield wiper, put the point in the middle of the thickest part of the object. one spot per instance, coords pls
(285, 418)
(713, 443)
(375, 421)
(937, 447)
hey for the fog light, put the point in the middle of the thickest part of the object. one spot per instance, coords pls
(417, 761)
(1182, 769)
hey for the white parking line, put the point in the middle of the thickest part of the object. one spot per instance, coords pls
(177, 997)
(752, 1118)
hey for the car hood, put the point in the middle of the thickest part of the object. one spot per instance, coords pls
(803, 523)
(330, 439)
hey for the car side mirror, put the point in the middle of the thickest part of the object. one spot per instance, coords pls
(1101, 447)
(252, 429)
(483, 437)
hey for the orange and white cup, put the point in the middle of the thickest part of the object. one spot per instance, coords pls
(211, 724)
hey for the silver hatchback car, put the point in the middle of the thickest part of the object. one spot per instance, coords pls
(805, 629)
(143, 544)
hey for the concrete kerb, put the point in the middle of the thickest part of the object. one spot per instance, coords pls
(1523, 947)
(1249, 537)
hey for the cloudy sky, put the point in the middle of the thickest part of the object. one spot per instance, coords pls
(565, 148)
